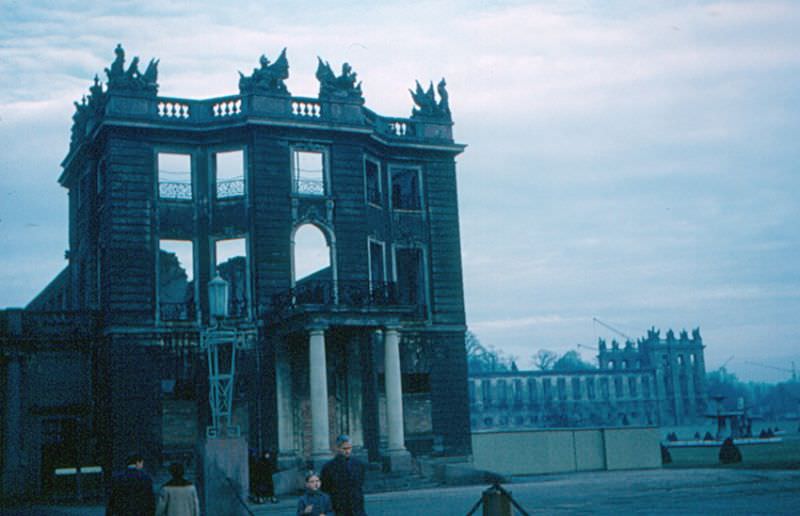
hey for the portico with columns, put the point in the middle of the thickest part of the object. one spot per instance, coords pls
(326, 387)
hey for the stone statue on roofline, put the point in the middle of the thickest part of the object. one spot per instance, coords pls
(343, 86)
(132, 81)
(268, 79)
(89, 109)
(427, 105)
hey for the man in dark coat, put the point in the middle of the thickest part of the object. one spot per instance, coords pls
(343, 480)
(131, 490)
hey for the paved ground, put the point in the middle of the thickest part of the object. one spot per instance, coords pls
(685, 491)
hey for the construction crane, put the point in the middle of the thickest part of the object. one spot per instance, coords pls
(793, 370)
(587, 347)
(601, 323)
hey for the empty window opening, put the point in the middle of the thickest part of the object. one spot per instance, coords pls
(406, 189)
(632, 386)
(229, 173)
(176, 280)
(231, 263)
(372, 177)
(576, 388)
(174, 176)
(377, 264)
(410, 275)
(311, 255)
(309, 172)
(486, 392)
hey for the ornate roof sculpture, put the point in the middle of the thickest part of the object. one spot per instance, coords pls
(342, 86)
(132, 81)
(427, 106)
(268, 79)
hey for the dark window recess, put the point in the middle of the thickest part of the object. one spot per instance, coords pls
(377, 274)
(415, 383)
(373, 178)
(410, 277)
(405, 189)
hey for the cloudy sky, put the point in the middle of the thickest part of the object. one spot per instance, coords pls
(631, 161)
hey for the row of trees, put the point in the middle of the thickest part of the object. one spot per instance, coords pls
(482, 359)
(770, 401)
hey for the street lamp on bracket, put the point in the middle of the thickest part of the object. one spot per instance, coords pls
(220, 343)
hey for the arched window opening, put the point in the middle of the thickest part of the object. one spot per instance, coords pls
(312, 260)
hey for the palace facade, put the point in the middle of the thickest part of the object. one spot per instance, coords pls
(167, 193)
(655, 381)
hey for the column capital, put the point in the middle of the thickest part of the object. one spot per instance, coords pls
(316, 328)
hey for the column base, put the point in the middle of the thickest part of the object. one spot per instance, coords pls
(319, 459)
(397, 460)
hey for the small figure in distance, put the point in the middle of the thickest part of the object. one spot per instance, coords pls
(729, 453)
(263, 470)
(314, 502)
(131, 491)
(178, 497)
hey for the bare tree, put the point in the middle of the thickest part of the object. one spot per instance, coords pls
(544, 359)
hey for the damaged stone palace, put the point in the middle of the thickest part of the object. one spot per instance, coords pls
(167, 193)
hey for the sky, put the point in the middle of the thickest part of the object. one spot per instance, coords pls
(634, 162)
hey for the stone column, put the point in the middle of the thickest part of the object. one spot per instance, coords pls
(285, 414)
(318, 384)
(398, 456)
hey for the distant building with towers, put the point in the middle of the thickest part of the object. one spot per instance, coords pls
(164, 194)
(654, 381)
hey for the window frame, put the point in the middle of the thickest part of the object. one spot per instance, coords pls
(213, 182)
(367, 200)
(296, 148)
(192, 172)
(392, 168)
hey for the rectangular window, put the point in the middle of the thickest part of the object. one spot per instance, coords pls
(547, 389)
(517, 391)
(174, 176)
(604, 391)
(632, 386)
(372, 179)
(562, 388)
(377, 265)
(176, 280)
(229, 174)
(645, 386)
(410, 275)
(308, 172)
(231, 263)
(486, 392)
(618, 387)
(590, 392)
(406, 193)
(576, 388)
(532, 390)
(502, 392)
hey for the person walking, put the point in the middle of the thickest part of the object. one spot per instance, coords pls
(178, 497)
(131, 492)
(314, 502)
(343, 480)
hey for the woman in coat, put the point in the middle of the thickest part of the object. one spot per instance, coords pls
(178, 497)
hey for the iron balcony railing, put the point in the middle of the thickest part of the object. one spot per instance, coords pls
(186, 311)
(342, 294)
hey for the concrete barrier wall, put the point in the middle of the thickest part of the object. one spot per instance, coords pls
(559, 451)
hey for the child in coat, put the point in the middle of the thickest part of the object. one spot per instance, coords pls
(314, 502)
